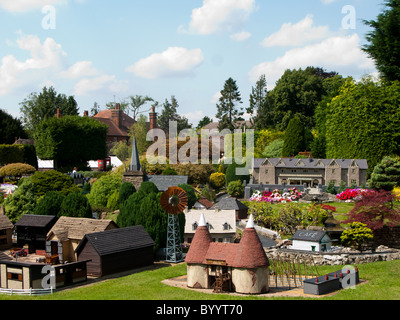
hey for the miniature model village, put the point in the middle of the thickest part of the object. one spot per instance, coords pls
(218, 260)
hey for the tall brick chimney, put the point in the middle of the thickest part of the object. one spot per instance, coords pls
(58, 115)
(153, 118)
(86, 113)
(116, 115)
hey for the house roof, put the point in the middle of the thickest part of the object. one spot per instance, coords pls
(165, 182)
(76, 228)
(215, 220)
(309, 163)
(249, 253)
(5, 223)
(105, 117)
(205, 203)
(229, 203)
(117, 240)
(309, 235)
(28, 220)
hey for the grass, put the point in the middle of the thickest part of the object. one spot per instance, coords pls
(383, 283)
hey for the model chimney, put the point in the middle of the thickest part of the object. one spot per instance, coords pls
(58, 115)
(116, 115)
(153, 118)
(86, 113)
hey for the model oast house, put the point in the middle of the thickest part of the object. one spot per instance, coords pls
(244, 266)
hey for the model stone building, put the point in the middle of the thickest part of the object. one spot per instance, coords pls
(243, 267)
(313, 172)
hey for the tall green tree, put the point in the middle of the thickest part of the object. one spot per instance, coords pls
(364, 122)
(10, 128)
(136, 103)
(139, 130)
(384, 40)
(170, 113)
(257, 98)
(228, 111)
(294, 138)
(38, 107)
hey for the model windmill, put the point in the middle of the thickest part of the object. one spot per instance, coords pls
(174, 201)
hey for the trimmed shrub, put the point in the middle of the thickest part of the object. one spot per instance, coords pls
(11, 154)
(23, 201)
(148, 187)
(50, 204)
(217, 180)
(16, 170)
(112, 202)
(232, 176)
(76, 205)
(52, 181)
(126, 190)
(103, 188)
(192, 199)
(236, 189)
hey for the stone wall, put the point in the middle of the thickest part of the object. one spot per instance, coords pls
(346, 257)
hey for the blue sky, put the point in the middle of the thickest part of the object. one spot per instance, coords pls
(101, 50)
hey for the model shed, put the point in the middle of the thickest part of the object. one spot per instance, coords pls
(311, 240)
(116, 250)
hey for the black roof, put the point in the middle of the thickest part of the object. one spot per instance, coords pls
(30, 220)
(309, 235)
(165, 182)
(118, 240)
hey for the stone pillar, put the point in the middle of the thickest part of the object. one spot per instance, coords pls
(134, 177)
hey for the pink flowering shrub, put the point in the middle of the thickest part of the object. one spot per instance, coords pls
(350, 194)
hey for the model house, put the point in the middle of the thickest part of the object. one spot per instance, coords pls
(229, 203)
(311, 240)
(221, 224)
(312, 172)
(239, 267)
(6, 228)
(65, 236)
(116, 250)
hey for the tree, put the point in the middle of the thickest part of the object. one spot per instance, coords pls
(203, 122)
(139, 130)
(21, 202)
(52, 180)
(376, 209)
(10, 128)
(257, 98)
(103, 188)
(50, 204)
(125, 191)
(76, 205)
(169, 113)
(384, 43)
(71, 141)
(136, 103)
(357, 235)
(228, 112)
(236, 189)
(192, 199)
(294, 138)
(231, 173)
(274, 149)
(386, 174)
(296, 94)
(364, 122)
(36, 108)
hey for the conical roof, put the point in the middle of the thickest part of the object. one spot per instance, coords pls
(135, 163)
(200, 243)
(250, 252)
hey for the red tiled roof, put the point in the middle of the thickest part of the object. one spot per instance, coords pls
(249, 253)
(113, 129)
(205, 202)
(127, 122)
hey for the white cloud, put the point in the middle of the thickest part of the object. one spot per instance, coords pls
(101, 84)
(79, 70)
(173, 62)
(46, 58)
(296, 34)
(341, 54)
(215, 97)
(219, 16)
(240, 36)
(27, 5)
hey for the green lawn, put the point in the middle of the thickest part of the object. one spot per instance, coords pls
(383, 283)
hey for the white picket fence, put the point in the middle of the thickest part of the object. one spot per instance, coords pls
(27, 292)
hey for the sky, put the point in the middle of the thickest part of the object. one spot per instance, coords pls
(105, 51)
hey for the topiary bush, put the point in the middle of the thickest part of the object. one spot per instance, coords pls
(103, 188)
(76, 205)
(217, 180)
(192, 199)
(236, 189)
(148, 187)
(22, 201)
(16, 170)
(52, 181)
(126, 190)
(50, 204)
(113, 203)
